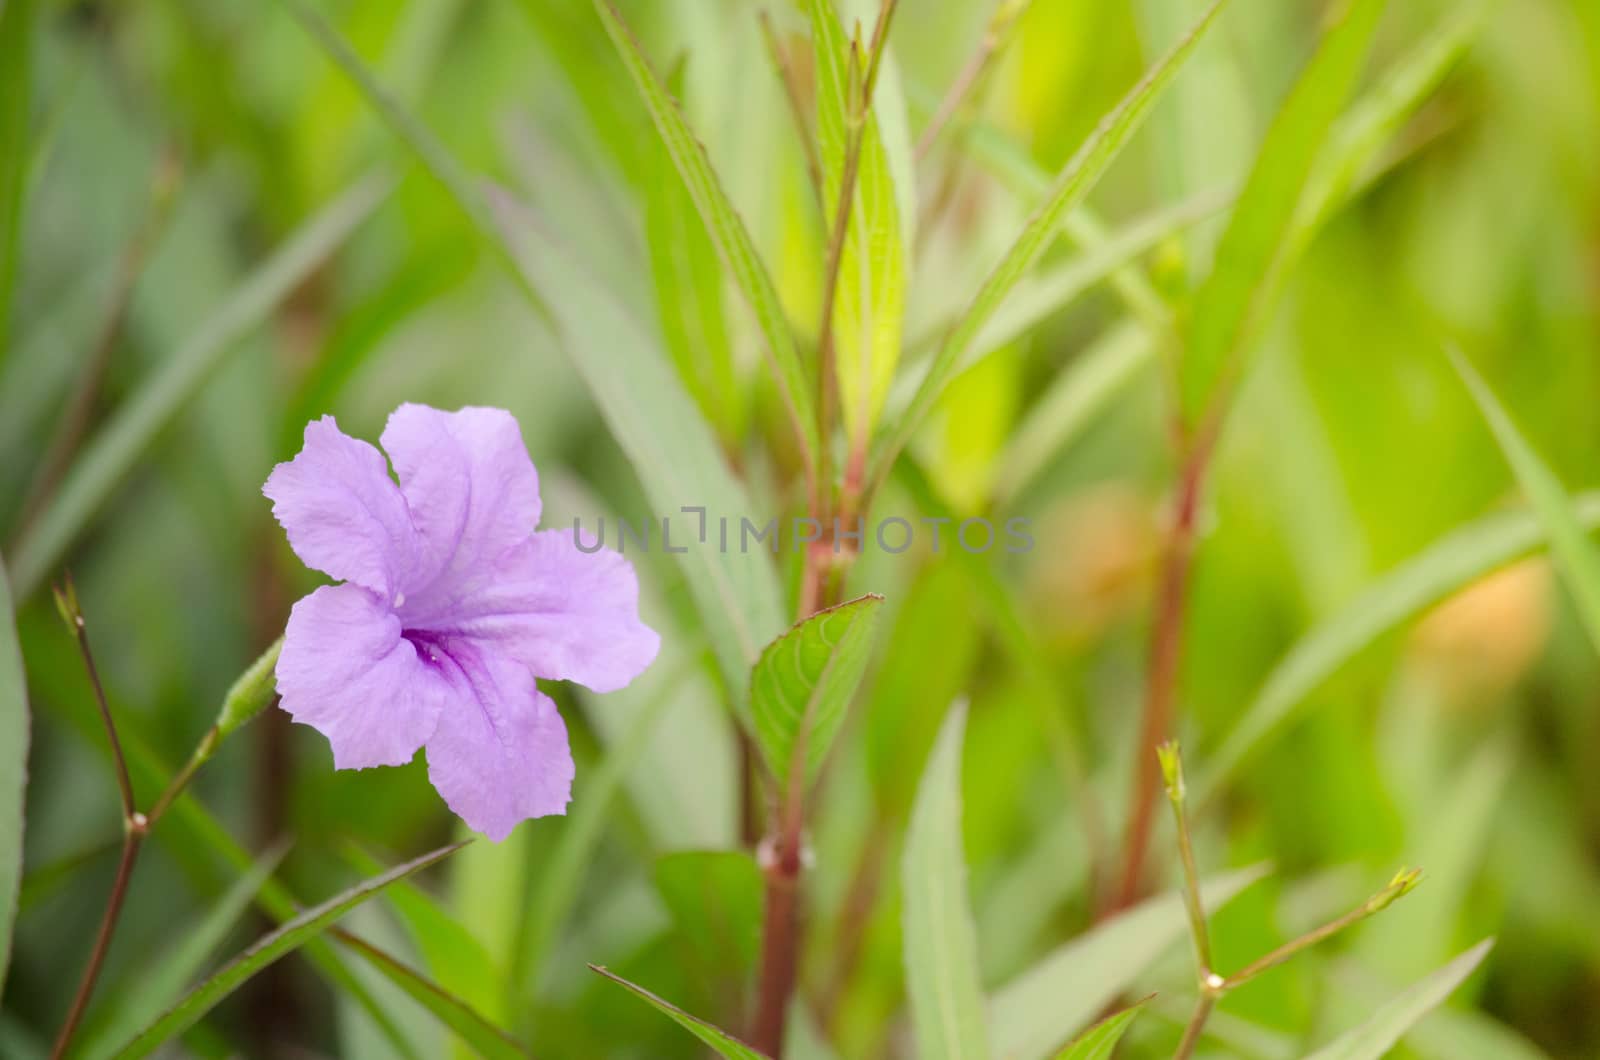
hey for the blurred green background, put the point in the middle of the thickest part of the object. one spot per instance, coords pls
(172, 147)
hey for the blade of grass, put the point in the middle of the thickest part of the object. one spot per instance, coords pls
(117, 448)
(1229, 304)
(1070, 189)
(1575, 556)
(17, 30)
(941, 943)
(153, 988)
(1374, 1038)
(1452, 563)
(286, 939)
(1100, 1041)
(489, 1041)
(13, 770)
(727, 230)
(725, 1044)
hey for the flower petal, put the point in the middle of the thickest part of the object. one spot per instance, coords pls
(347, 672)
(566, 614)
(343, 513)
(471, 488)
(500, 753)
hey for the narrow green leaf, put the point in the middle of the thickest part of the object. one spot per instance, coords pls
(672, 451)
(121, 443)
(1070, 189)
(252, 693)
(1032, 1014)
(1374, 1038)
(13, 770)
(1452, 563)
(722, 221)
(1575, 557)
(941, 944)
(1069, 404)
(1373, 121)
(801, 686)
(687, 277)
(1100, 1041)
(489, 1041)
(286, 939)
(17, 30)
(450, 952)
(725, 1044)
(1230, 303)
(648, 412)
(153, 988)
(869, 309)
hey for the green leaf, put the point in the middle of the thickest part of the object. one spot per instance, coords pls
(489, 1041)
(13, 770)
(722, 221)
(1575, 557)
(108, 458)
(1032, 1014)
(1450, 564)
(941, 944)
(1100, 1041)
(715, 898)
(17, 30)
(724, 1043)
(869, 309)
(1231, 302)
(1373, 121)
(688, 286)
(286, 939)
(1070, 188)
(1374, 1038)
(649, 414)
(452, 954)
(801, 686)
(153, 988)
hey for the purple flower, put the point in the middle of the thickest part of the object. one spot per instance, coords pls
(451, 605)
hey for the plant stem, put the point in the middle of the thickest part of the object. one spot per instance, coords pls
(1166, 650)
(135, 826)
(1197, 1024)
(972, 72)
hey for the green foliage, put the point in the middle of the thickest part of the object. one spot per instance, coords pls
(1036, 308)
(1574, 554)
(1228, 309)
(1100, 1041)
(1374, 1038)
(725, 1044)
(1071, 187)
(801, 687)
(941, 949)
(13, 770)
(722, 222)
(116, 449)
(285, 940)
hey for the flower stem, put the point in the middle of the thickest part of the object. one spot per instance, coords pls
(134, 826)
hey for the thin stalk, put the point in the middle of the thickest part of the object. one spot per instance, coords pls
(972, 72)
(135, 827)
(1172, 772)
(1166, 651)
(1196, 1026)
